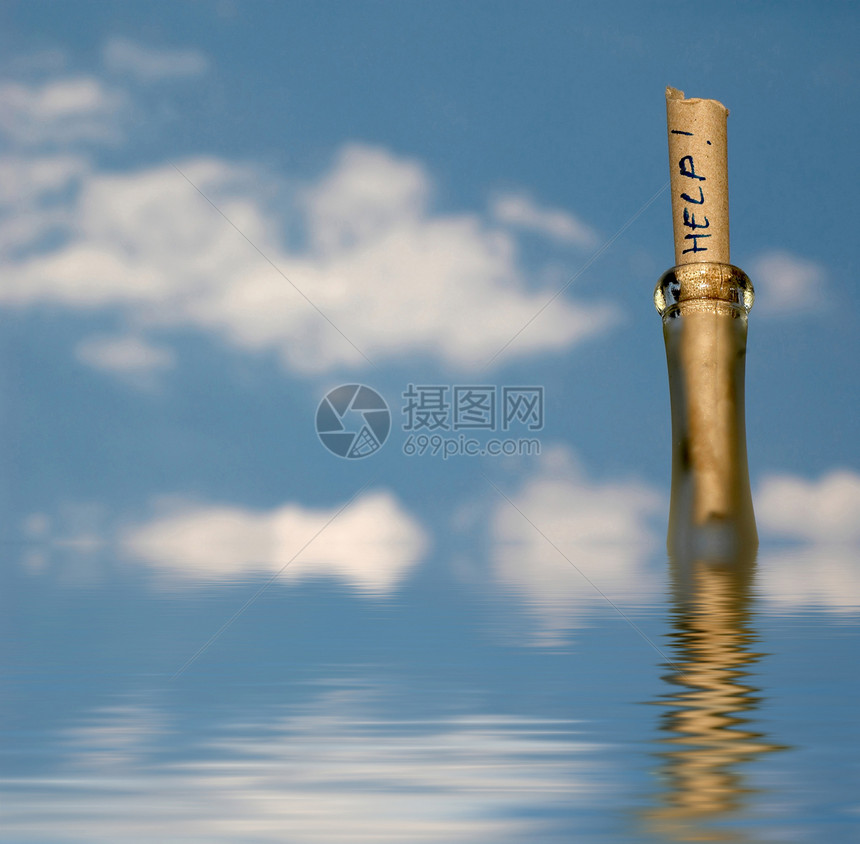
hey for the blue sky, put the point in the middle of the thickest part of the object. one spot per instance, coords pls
(212, 213)
(428, 177)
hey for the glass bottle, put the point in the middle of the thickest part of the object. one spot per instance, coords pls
(704, 307)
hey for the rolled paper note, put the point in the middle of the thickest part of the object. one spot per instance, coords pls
(698, 166)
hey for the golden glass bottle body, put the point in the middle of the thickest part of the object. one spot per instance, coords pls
(704, 308)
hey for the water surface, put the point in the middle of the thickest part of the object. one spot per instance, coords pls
(447, 708)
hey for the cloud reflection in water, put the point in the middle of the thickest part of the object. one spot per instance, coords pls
(332, 771)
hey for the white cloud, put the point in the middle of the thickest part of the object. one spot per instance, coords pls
(600, 530)
(809, 555)
(823, 516)
(786, 284)
(34, 199)
(395, 278)
(332, 771)
(59, 112)
(136, 239)
(123, 354)
(368, 193)
(520, 210)
(824, 512)
(152, 64)
(36, 525)
(26, 179)
(372, 545)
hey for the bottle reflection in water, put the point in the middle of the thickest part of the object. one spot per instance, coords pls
(706, 724)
